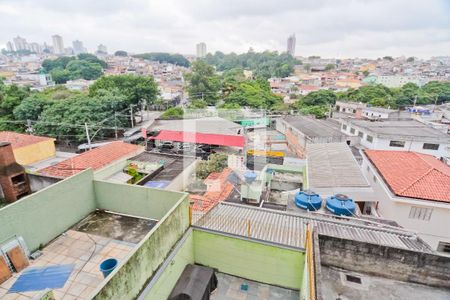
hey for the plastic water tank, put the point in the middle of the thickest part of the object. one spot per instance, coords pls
(340, 204)
(308, 200)
(249, 176)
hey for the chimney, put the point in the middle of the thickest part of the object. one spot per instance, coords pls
(13, 179)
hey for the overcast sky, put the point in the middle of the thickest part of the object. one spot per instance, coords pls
(330, 28)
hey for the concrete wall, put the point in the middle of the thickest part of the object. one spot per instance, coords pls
(391, 207)
(180, 182)
(35, 152)
(38, 182)
(377, 260)
(380, 143)
(44, 215)
(145, 202)
(163, 286)
(110, 169)
(249, 259)
(132, 274)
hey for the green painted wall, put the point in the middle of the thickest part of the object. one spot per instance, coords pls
(168, 279)
(42, 216)
(130, 277)
(248, 259)
(135, 200)
(110, 169)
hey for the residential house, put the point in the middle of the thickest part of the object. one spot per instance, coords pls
(413, 189)
(27, 148)
(399, 135)
(303, 130)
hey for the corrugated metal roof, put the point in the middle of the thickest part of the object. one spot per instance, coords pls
(289, 229)
(333, 165)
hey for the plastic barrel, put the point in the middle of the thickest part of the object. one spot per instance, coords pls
(107, 266)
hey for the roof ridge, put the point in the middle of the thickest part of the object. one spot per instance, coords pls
(417, 180)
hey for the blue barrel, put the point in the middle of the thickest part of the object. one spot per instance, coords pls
(308, 200)
(249, 176)
(341, 205)
(107, 266)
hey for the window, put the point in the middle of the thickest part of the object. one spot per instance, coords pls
(352, 130)
(354, 279)
(443, 247)
(374, 178)
(400, 144)
(360, 134)
(420, 213)
(430, 146)
(368, 169)
(344, 127)
(369, 138)
(354, 111)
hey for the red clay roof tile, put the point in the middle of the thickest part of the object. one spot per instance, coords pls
(413, 175)
(95, 159)
(19, 140)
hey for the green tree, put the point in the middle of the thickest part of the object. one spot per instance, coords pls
(204, 84)
(173, 113)
(330, 67)
(216, 163)
(176, 59)
(120, 53)
(134, 88)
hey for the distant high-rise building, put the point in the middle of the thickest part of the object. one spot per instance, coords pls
(35, 47)
(291, 45)
(102, 49)
(58, 45)
(78, 47)
(201, 50)
(9, 47)
(20, 43)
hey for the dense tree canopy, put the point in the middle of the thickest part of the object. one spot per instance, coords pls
(264, 65)
(120, 53)
(204, 83)
(86, 66)
(134, 88)
(176, 59)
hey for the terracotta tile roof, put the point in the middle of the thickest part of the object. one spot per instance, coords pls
(413, 175)
(215, 194)
(95, 159)
(19, 140)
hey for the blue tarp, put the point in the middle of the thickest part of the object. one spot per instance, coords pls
(157, 184)
(41, 278)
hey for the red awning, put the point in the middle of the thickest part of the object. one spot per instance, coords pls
(200, 138)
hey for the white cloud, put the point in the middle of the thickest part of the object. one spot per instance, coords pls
(364, 28)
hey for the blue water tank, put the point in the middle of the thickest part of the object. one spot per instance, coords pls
(308, 200)
(249, 176)
(340, 204)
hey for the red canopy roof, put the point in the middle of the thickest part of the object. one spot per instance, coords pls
(201, 138)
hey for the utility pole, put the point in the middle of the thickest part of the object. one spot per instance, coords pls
(131, 113)
(415, 100)
(115, 125)
(87, 135)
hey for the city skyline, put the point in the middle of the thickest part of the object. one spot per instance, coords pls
(358, 29)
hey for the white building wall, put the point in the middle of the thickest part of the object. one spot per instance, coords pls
(384, 144)
(398, 209)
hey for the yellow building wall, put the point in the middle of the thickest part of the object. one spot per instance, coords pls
(35, 152)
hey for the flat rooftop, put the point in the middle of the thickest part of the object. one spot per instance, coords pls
(211, 125)
(286, 228)
(335, 285)
(229, 287)
(99, 236)
(115, 226)
(312, 127)
(333, 165)
(173, 164)
(407, 129)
